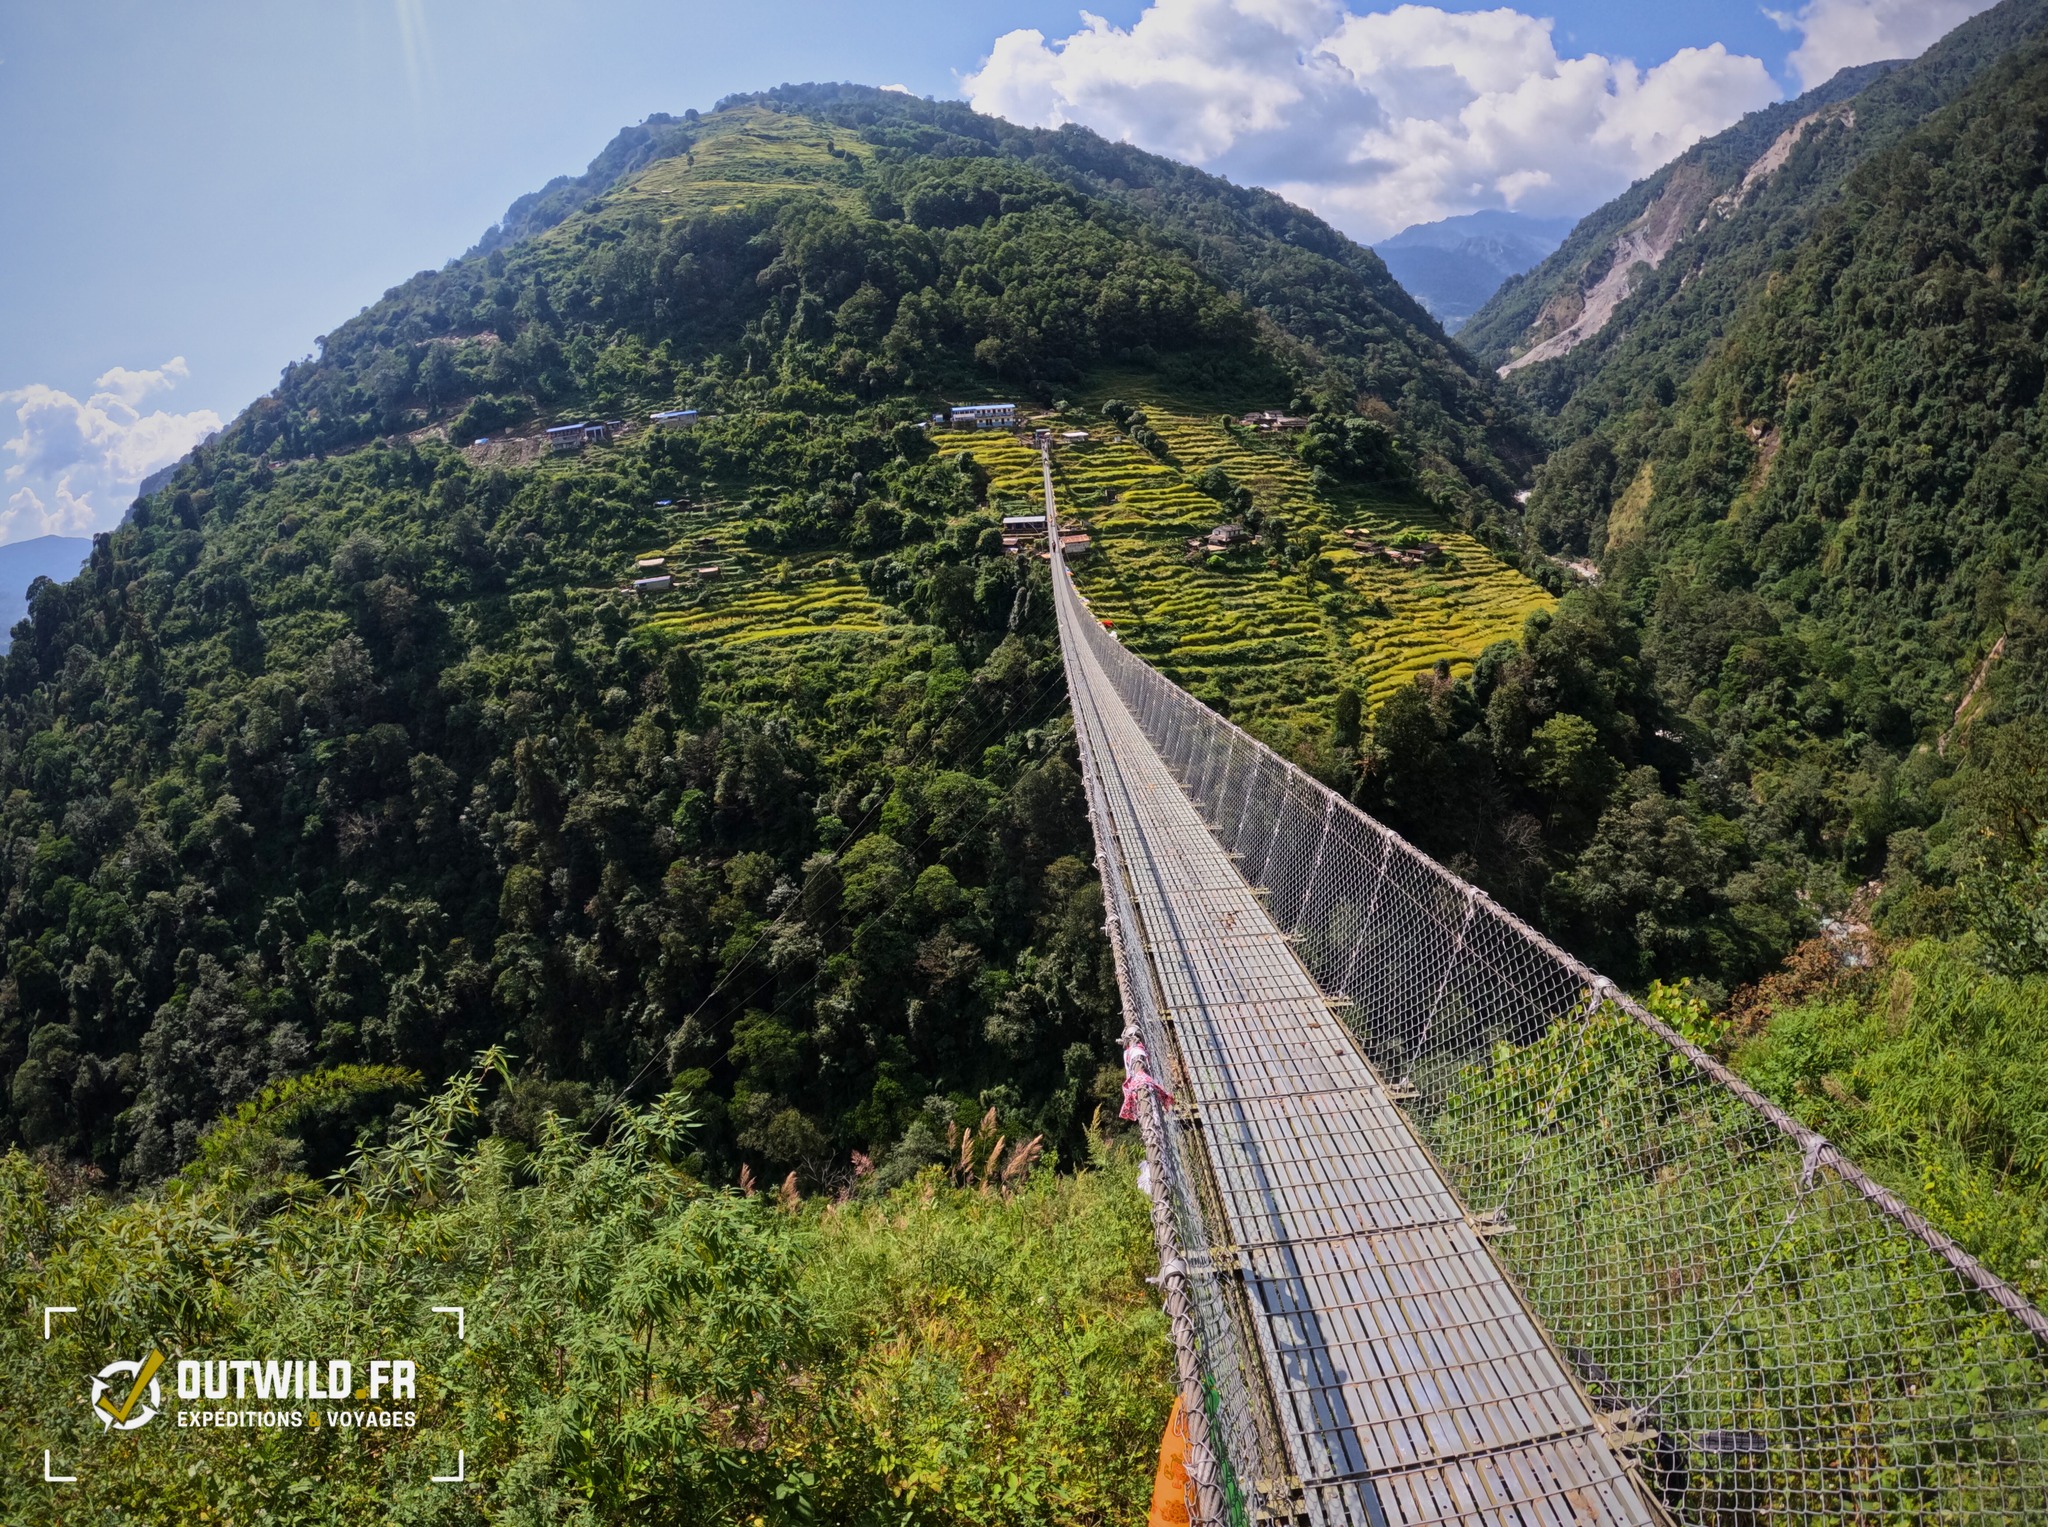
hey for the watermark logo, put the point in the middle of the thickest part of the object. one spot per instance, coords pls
(260, 1394)
(126, 1394)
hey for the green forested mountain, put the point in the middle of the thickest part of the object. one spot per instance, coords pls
(1798, 454)
(1672, 258)
(1805, 455)
(1651, 270)
(1846, 500)
(348, 749)
(352, 754)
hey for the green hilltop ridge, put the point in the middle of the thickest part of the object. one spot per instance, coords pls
(351, 756)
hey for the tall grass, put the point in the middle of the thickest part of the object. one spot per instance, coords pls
(638, 1348)
(1933, 1072)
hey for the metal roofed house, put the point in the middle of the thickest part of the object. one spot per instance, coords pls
(981, 415)
(573, 437)
(654, 585)
(674, 418)
(1222, 538)
(1269, 420)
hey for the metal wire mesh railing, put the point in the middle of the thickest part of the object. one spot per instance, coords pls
(1775, 1336)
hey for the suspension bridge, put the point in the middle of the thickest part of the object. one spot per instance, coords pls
(1453, 1231)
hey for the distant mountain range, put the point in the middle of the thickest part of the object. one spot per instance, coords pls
(1454, 265)
(22, 562)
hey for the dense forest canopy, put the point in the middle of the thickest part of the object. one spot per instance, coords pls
(1819, 509)
(1849, 492)
(1799, 454)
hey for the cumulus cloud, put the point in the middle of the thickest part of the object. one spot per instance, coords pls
(1835, 34)
(76, 464)
(1376, 120)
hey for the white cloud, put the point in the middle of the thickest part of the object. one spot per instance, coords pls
(76, 465)
(1838, 33)
(1377, 120)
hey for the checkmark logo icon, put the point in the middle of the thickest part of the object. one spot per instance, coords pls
(131, 1381)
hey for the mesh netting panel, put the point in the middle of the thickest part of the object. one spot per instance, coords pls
(1773, 1336)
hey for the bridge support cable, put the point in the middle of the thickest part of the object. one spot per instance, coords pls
(1446, 1154)
(1408, 1380)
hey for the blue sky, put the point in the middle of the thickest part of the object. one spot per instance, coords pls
(196, 191)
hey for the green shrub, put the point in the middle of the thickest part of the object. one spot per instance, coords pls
(637, 1347)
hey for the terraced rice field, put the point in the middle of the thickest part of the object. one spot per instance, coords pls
(1275, 644)
(796, 602)
(764, 608)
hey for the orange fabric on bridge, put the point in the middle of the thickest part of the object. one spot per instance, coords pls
(1170, 1484)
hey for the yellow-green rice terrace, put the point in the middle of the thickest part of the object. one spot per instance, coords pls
(1273, 641)
(1276, 643)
